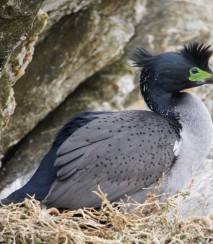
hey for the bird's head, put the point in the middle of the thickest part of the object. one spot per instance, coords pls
(174, 71)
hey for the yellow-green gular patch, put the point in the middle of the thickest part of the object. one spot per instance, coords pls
(198, 75)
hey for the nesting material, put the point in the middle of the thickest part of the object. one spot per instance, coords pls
(150, 222)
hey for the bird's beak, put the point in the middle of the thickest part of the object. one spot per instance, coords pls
(209, 80)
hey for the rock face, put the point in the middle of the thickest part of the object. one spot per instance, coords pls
(83, 42)
(76, 47)
(167, 25)
(20, 24)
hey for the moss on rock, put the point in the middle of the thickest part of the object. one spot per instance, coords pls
(19, 24)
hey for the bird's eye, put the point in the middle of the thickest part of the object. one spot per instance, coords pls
(198, 75)
(194, 71)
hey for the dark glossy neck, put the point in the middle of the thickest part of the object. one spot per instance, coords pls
(158, 99)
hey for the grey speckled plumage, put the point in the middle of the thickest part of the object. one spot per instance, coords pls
(122, 152)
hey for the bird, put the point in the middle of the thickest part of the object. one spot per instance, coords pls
(126, 152)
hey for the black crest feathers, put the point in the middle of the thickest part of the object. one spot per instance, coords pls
(140, 57)
(197, 53)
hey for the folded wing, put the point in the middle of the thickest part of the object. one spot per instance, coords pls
(122, 152)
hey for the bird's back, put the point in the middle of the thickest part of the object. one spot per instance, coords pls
(122, 152)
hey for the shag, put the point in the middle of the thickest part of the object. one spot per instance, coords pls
(124, 152)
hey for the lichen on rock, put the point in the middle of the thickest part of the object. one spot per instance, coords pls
(20, 24)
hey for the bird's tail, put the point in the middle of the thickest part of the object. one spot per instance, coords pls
(6, 201)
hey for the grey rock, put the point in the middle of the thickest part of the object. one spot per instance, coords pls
(58, 9)
(167, 25)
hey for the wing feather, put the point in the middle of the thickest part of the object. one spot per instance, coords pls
(122, 152)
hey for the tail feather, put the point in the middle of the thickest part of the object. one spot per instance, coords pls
(7, 201)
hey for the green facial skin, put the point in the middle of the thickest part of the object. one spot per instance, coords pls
(198, 75)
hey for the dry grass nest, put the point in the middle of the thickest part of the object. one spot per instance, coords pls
(132, 222)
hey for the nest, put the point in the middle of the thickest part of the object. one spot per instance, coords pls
(121, 222)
